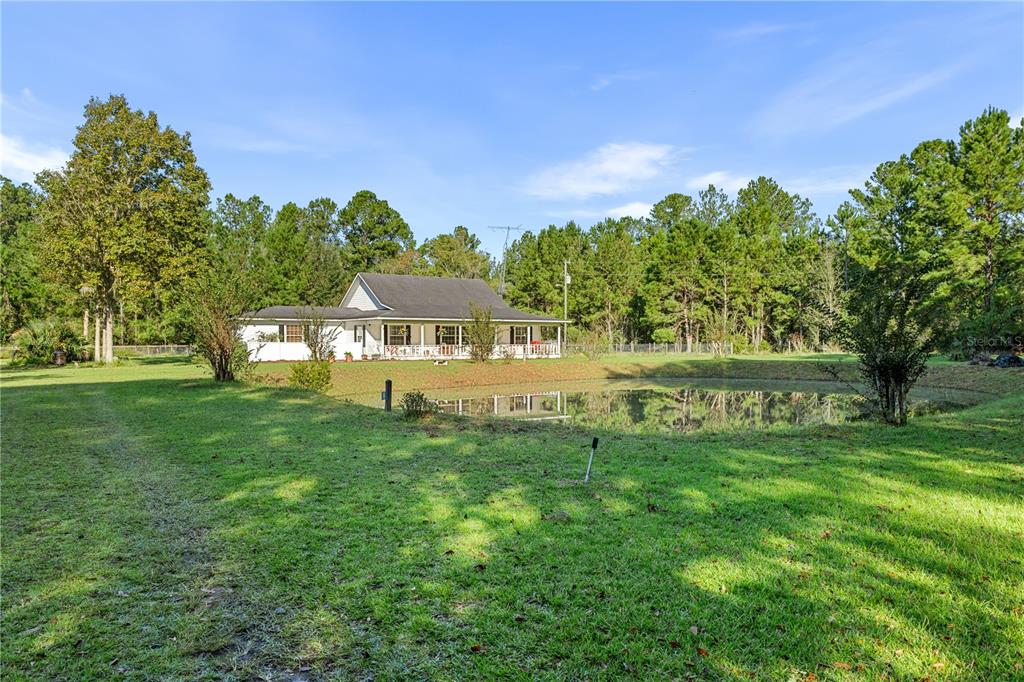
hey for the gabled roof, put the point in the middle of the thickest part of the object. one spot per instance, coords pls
(412, 297)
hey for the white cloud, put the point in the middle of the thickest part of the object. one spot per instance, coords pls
(634, 209)
(20, 161)
(610, 169)
(1015, 119)
(844, 89)
(723, 180)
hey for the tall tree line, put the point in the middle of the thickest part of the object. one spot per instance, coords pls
(308, 255)
(121, 233)
(754, 271)
(122, 230)
(761, 271)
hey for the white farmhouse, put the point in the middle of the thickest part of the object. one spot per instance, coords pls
(403, 317)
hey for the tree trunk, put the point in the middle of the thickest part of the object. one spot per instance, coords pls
(97, 343)
(610, 325)
(85, 323)
(989, 275)
(108, 333)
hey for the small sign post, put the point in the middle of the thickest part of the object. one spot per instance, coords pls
(590, 462)
(386, 395)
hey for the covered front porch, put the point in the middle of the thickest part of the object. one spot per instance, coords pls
(424, 340)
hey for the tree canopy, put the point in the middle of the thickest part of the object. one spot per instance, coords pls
(124, 218)
(126, 225)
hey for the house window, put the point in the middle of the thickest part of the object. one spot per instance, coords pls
(358, 331)
(399, 334)
(519, 335)
(293, 333)
(447, 334)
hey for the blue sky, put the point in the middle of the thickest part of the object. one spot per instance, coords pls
(521, 114)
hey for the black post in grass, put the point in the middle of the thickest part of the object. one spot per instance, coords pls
(386, 395)
(590, 462)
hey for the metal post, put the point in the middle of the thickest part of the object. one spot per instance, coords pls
(590, 462)
(386, 396)
(565, 296)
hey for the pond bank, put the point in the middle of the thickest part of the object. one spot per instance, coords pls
(355, 378)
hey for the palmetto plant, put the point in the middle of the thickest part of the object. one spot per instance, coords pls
(37, 342)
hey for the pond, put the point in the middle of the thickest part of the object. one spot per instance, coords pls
(681, 405)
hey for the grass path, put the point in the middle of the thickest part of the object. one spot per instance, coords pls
(105, 542)
(158, 526)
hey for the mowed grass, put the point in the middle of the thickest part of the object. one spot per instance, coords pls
(156, 525)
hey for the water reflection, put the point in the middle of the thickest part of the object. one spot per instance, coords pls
(677, 409)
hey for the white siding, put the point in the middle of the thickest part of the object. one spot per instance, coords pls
(275, 351)
(271, 351)
(374, 343)
(360, 298)
(346, 342)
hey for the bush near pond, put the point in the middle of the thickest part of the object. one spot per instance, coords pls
(416, 405)
(312, 376)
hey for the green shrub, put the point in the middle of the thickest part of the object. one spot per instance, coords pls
(36, 343)
(664, 335)
(312, 376)
(480, 333)
(417, 405)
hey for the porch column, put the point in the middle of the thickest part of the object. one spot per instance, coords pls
(558, 343)
(460, 338)
(421, 338)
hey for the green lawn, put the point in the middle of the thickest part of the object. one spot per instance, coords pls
(158, 526)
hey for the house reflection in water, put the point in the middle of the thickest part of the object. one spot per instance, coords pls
(532, 406)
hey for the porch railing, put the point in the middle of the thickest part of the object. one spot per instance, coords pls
(455, 352)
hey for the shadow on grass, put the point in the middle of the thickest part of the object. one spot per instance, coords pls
(271, 531)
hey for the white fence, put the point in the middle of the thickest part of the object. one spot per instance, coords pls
(148, 351)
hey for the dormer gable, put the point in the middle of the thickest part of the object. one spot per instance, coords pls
(361, 297)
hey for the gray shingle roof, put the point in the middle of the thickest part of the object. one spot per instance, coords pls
(303, 312)
(442, 298)
(412, 297)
